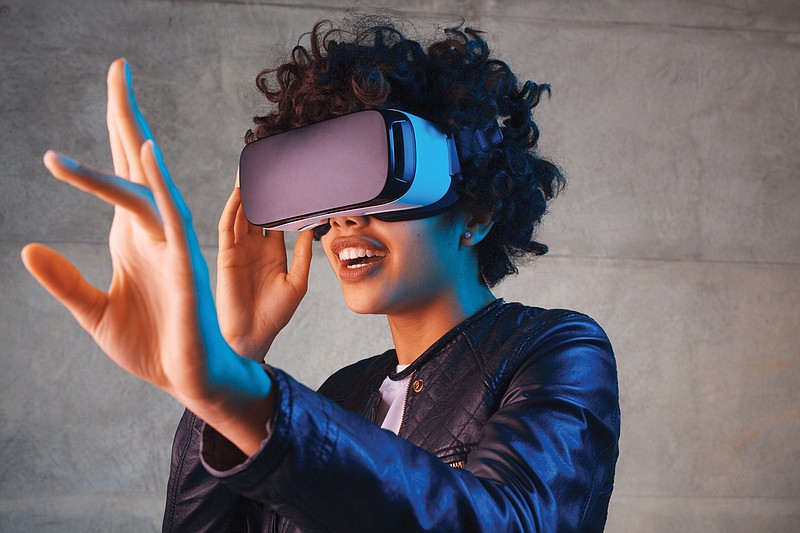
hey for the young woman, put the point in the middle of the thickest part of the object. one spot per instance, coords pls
(486, 415)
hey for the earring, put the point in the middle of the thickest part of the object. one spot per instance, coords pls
(467, 234)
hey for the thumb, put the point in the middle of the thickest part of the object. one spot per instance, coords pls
(61, 279)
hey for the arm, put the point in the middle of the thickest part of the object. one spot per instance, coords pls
(198, 502)
(157, 320)
(545, 461)
(257, 294)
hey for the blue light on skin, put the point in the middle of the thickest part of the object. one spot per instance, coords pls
(226, 369)
(143, 126)
(100, 177)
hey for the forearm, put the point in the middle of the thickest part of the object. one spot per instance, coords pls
(197, 501)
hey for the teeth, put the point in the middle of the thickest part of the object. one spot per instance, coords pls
(355, 253)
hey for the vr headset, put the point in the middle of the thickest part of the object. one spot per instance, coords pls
(385, 163)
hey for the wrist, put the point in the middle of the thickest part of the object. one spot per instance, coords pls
(247, 349)
(239, 404)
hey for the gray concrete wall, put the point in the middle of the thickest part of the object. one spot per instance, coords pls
(676, 121)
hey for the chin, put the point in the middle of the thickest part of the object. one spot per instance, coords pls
(364, 300)
(363, 305)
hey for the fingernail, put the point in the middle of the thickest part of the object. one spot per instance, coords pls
(50, 154)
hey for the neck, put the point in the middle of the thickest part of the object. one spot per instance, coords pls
(415, 330)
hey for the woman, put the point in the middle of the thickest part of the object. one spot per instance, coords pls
(496, 417)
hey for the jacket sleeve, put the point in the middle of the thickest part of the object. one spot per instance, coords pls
(545, 461)
(197, 501)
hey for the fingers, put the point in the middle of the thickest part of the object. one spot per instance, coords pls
(133, 197)
(117, 149)
(174, 213)
(61, 279)
(127, 127)
(274, 245)
(242, 227)
(142, 127)
(225, 228)
(301, 260)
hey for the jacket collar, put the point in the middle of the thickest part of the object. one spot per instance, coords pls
(444, 340)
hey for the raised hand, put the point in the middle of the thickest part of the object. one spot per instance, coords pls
(256, 293)
(157, 320)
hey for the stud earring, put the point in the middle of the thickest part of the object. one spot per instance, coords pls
(467, 234)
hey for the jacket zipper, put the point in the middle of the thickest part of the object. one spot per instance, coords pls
(454, 464)
(405, 401)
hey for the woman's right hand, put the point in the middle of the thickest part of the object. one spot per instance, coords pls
(157, 320)
(257, 293)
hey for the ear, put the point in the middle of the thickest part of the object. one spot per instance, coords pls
(477, 228)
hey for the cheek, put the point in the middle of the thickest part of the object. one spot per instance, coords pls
(429, 257)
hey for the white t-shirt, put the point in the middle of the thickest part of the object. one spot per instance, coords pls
(393, 396)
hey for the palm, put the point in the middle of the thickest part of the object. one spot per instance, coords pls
(142, 288)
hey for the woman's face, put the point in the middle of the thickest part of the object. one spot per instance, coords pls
(395, 267)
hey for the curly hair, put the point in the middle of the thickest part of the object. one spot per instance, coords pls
(455, 84)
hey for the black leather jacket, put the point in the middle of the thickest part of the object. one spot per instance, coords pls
(511, 423)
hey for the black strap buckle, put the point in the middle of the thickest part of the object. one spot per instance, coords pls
(471, 141)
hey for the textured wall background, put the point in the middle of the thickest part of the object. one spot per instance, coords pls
(677, 122)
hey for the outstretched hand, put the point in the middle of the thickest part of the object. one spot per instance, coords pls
(257, 293)
(157, 320)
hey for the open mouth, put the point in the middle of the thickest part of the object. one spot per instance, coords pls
(353, 258)
(359, 257)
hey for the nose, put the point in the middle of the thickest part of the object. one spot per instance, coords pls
(349, 221)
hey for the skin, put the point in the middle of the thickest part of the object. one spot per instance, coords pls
(158, 320)
(257, 293)
(428, 281)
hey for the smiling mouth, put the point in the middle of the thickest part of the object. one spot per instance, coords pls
(354, 258)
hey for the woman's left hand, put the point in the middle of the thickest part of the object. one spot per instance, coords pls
(257, 292)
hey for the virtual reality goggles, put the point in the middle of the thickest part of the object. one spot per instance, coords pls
(389, 164)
